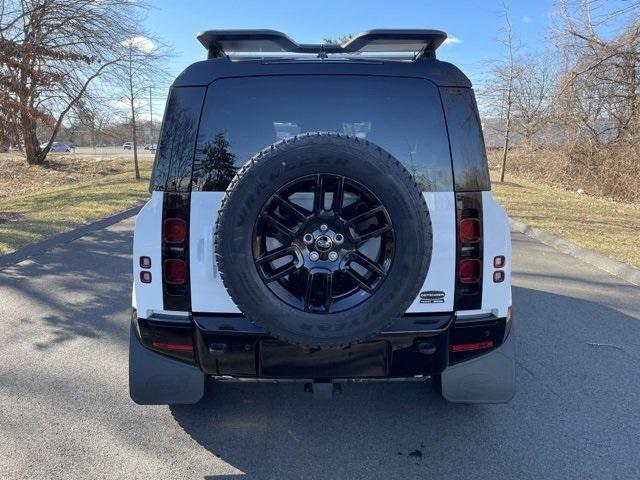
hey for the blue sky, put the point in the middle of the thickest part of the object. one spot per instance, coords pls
(475, 24)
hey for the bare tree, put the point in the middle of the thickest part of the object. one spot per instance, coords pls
(601, 82)
(144, 66)
(506, 74)
(531, 96)
(52, 51)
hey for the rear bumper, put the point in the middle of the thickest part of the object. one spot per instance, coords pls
(231, 346)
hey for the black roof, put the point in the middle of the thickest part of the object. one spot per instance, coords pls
(419, 43)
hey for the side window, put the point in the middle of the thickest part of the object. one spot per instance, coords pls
(468, 154)
(242, 116)
(174, 158)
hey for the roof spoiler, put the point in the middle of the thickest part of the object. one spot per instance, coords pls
(420, 43)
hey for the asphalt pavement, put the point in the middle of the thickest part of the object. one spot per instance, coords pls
(65, 410)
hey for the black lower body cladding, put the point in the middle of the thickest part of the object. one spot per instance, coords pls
(337, 269)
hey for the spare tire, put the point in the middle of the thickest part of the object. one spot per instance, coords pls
(323, 239)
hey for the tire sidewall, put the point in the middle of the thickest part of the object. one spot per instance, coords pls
(323, 153)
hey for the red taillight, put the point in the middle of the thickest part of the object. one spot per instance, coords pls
(174, 230)
(470, 231)
(175, 272)
(172, 347)
(469, 271)
(466, 347)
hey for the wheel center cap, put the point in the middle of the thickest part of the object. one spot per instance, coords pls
(324, 243)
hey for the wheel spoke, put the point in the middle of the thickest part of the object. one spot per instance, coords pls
(308, 291)
(338, 197)
(327, 291)
(358, 279)
(366, 215)
(318, 196)
(280, 272)
(279, 225)
(369, 264)
(291, 207)
(275, 254)
(372, 234)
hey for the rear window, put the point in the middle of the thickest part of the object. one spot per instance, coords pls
(468, 153)
(174, 157)
(242, 116)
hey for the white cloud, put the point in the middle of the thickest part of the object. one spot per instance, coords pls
(526, 19)
(451, 40)
(143, 44)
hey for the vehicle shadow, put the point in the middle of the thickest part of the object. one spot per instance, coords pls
(552, 428)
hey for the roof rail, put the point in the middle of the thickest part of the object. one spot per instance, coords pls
(419, 43)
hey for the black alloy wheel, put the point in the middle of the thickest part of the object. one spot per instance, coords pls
(323, 243)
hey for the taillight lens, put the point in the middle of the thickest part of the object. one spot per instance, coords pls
(470, 231)
(469, 271)
(174, 230)
(175, 272)
(467, 347)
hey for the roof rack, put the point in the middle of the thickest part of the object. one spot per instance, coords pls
(418, 43)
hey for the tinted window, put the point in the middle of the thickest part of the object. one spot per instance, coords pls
(244, 115)
(468, 154)
(174, 158)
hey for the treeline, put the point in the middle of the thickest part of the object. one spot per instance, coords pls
(570, 115)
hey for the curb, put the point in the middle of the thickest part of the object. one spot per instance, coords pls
(66, 237)
(609, 265)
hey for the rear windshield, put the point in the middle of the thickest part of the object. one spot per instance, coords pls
(241, 116)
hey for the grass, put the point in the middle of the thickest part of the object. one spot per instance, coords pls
(602, 225)
(31, 216)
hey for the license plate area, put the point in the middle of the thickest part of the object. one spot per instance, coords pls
(279, 359)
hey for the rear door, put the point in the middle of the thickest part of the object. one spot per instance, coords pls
(241, 116)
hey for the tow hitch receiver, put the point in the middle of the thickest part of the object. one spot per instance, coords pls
(322, 390)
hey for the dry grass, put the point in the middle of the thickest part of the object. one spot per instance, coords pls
(17, 177)
(612, 172)
(602, 225)
(37, 202)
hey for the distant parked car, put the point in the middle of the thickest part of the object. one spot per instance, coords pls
(151, 147)
(127, 146)
(58, 147)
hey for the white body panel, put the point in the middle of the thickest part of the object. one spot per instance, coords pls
(496, 297)
(209, 295)
(147, 297)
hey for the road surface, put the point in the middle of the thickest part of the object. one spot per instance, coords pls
(65, 410)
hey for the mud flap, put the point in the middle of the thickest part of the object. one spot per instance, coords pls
(157, 380)
(490, 378)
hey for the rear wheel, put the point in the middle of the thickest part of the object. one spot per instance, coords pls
(323, 240)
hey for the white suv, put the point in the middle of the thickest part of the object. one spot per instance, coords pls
(321, 218)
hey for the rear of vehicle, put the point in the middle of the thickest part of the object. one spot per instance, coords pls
(321, 219)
